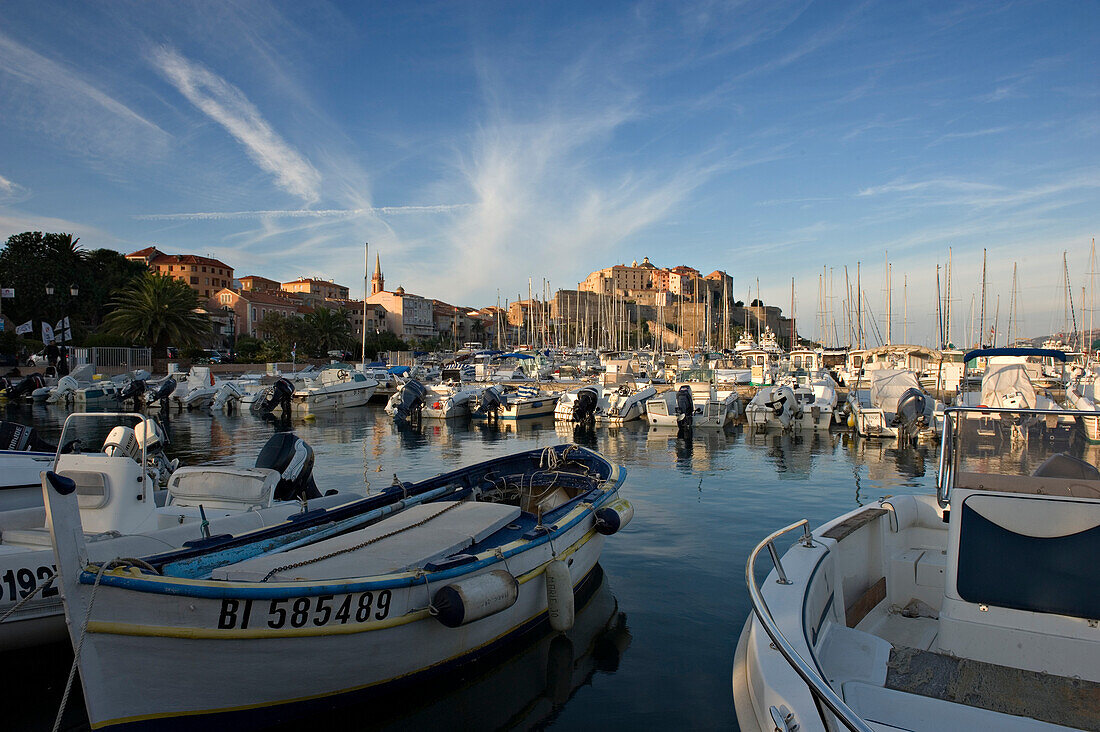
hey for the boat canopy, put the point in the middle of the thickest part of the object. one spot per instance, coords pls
(1008, 380)
(1041, 352)
(888, 386)
(515, 355)
(398, 370)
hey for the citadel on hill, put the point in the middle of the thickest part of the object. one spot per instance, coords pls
(618, 306)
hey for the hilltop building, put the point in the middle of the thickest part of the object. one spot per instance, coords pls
(316, 291)
(260, 284)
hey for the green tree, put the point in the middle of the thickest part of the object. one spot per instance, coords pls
(159, 312)
(327, 330)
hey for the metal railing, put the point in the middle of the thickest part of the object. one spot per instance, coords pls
(819, 689)
(111, 360)
(945, 479)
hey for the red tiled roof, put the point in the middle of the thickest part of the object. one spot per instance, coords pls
(187, 259)
(146, 252)
(315, 280)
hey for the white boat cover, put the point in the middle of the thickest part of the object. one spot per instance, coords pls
(1007, 385)
(887, 386)
(438, 537)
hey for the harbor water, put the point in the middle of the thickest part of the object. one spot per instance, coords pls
(653, 644)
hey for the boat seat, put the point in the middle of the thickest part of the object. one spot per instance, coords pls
(909, 511)
(232, 488)
(441, 536)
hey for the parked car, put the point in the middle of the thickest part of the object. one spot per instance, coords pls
(211, 356)
(341, 355)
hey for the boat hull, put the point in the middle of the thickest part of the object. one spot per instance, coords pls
(391, 645)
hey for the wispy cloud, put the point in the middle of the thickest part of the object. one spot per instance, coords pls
(329, 213)
(11, 191)
(54, 99)
(228, 106)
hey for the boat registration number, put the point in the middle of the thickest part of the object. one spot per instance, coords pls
(301, 612)
(15, 584)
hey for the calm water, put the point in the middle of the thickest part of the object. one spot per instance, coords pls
(653, 647)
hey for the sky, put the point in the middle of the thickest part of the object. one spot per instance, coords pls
(476, 145)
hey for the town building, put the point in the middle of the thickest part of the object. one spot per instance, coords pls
(204, 275)
(260, 284)
(377, 282)
(315, 291)
(353, 310)
(407, 315)
(251, 307)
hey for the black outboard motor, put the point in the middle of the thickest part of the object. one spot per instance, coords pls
(26, 386)
(134, 390)
(410, 404)
(292, 458)
(910, 417)
(685, 406)
(489, 401)
(584, 407)
(162, 392)
(281, 392)
(15, 436)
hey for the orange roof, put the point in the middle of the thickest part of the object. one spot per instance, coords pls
(146, 252)
(187, 259)
(312, 280)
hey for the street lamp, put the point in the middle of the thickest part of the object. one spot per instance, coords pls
(74, 290)
(49, 289)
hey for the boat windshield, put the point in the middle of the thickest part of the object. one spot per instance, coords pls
(1017, 450)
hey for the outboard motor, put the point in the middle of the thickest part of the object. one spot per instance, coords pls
(26, 386)
(685, 406)
(292, 458)
(785, 406)
(409, 404)
(910, 417)
(489, 401)
(163, 392)
(281, 392)
(584, 407)
(20, 437)
(134, 390)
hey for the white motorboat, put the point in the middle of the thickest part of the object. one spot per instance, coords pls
(198, 390)
(334, 388)
(120, 520)
(448, 401)
(972, 609)
(709, 406)
(523, 403)
(23, 458)
(414, 579)
(613, 404)
(893, 406)
(806, 406)
(1084, 397)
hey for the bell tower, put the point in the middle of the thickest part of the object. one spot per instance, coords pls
(377, 282)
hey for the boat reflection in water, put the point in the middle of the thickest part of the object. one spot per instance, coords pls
(520, 687)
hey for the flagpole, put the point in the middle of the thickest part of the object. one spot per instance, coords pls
(366, 273)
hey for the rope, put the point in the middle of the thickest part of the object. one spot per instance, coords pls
(80, 642)
(359, 546)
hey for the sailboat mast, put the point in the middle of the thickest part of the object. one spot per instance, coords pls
(947, 301)
(939, 307)
(366, 290)
(889, 298)
(981, 322)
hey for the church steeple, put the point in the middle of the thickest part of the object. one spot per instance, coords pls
(377, 282)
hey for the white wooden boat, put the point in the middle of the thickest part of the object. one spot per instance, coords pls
(334, 388)
(405, 582)
(972, 609)
(123, 511)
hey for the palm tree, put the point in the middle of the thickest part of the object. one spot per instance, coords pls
(157, 311)
(328, 329)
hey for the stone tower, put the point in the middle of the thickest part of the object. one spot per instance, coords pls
(377, 282)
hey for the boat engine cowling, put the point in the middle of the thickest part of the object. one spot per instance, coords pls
(685, 406)
(584, 406)
(279, 396)
(910, 416)
(489, 400)
(785, 406)
(134, 390)
(26, 386)
(163, 391)
(292, 458)
(15, 436)
(410, 400)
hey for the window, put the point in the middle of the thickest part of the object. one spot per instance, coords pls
(194, 280)
(205, 280)
(208, 293)
(204, 269)
(254, 313)
(194, 268)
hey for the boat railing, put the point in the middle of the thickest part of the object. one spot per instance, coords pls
(819, 689)
(945, 479)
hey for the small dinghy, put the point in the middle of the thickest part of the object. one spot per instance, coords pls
(412, 580)
(972, 609)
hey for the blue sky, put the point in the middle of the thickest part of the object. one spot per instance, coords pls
(475, 145)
